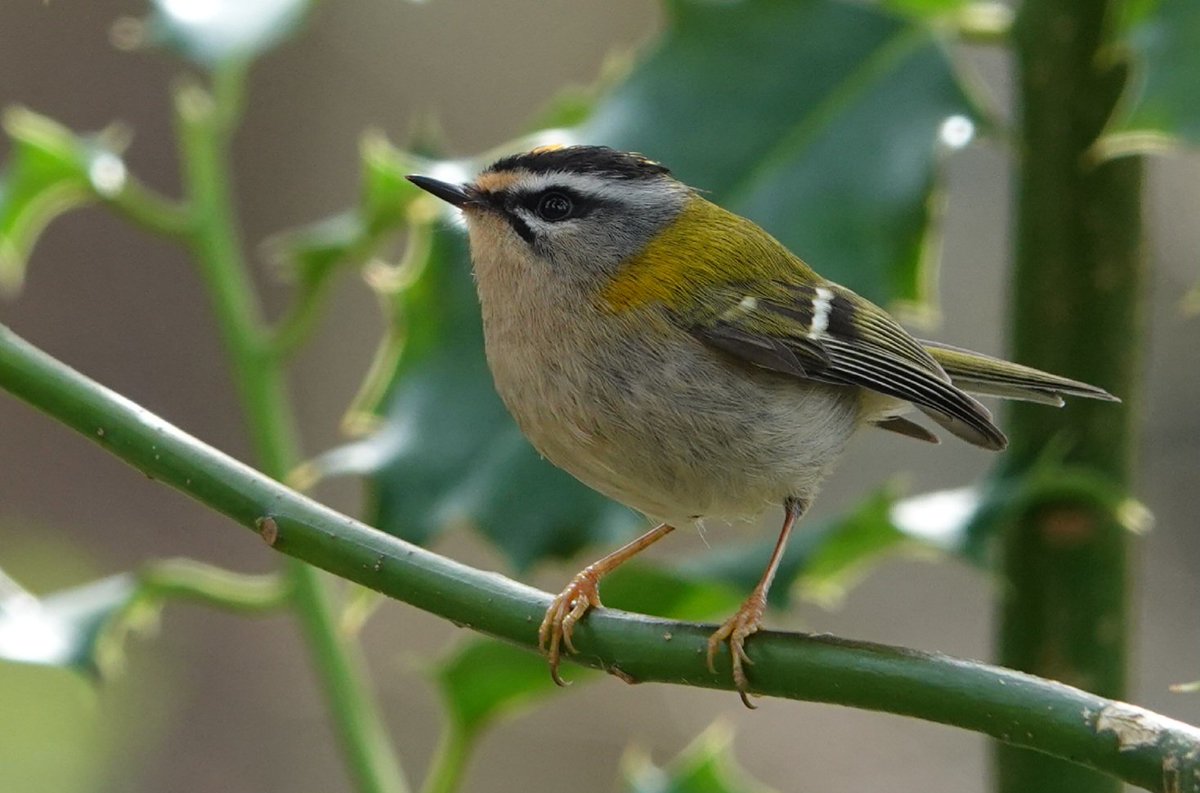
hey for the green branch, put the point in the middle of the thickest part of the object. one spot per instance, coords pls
(204, 148)
(1077, 289)
(1133, 744)
(205, 122)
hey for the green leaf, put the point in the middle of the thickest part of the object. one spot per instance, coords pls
(64, 629)
(707, 766)
(823, 562)
(660, 592)
(220, 31)
(63, 735)
(448, 453)
(485, 679)
(926, 9)
(311, 255)
(821, 120)
(1161, 105)
(50, 171)
(967, 21)
(385, 195)
(82, 628)
(574, 104)
(849, 549)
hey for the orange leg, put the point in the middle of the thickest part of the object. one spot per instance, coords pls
(749, 616)
(582, 594)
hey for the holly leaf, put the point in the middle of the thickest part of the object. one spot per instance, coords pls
(1161, 105)
(67, 628)
(924, 9)
(82, 628)
(50, 171)
(484, 679)
(222, 31)
(706, 766)
(312, 255)
(823, 121)
(672, 594)
(825, 561)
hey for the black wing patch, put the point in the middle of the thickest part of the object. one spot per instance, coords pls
(827, 333)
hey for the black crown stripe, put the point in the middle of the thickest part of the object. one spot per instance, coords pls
(599, 160)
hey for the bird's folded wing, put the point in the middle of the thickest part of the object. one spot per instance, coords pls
(827, 333)
(983, 374)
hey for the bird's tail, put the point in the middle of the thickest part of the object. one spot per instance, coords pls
(982, 374)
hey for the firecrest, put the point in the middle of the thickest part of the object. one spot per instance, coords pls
(677, 358)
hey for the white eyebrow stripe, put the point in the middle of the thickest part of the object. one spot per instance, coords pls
(822, 306)
(627, 191)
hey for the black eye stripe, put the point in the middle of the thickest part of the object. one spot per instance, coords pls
(520, 226)
(513, 205)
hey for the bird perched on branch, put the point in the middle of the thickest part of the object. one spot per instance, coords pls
(677, 358)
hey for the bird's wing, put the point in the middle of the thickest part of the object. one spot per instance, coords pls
(983, 374)
(824, 332)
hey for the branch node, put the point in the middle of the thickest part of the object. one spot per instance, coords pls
(268, 529)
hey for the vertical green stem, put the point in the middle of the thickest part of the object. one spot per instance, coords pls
(205, 125)
(218, 252)
(1078, 283)
(445, 772)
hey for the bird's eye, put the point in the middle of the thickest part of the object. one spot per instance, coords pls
(554, 206)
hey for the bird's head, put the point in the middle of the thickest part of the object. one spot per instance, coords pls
(574, 212)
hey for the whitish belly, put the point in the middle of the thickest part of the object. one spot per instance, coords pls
(673, 429)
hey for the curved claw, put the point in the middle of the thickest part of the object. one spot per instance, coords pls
(558, 626)
(735, 631)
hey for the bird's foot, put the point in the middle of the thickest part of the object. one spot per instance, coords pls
(582, 594)
(736, 629)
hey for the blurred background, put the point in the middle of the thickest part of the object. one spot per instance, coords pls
(212, 702)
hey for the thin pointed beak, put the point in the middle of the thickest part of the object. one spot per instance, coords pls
(459, 195)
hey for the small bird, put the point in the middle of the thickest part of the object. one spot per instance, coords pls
(678, 359)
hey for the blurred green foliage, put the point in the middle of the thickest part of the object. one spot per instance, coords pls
(1161, 105)
(60, 731)
(707, 766)
(821, 120)
(50, 170)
